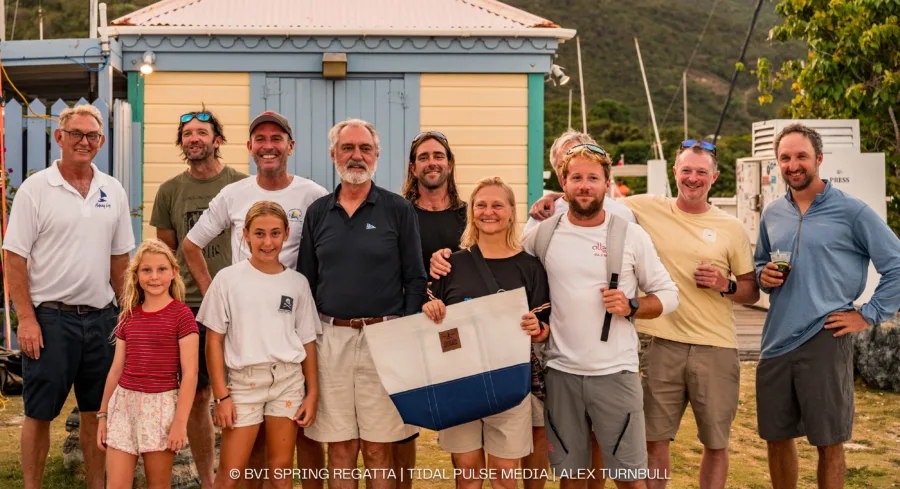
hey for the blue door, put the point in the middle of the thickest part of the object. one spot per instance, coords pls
(314, 105)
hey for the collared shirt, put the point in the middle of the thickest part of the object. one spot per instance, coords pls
(831, 245)
(365, 265)
(68, 239)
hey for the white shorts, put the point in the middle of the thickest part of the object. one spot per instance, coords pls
(268, 389)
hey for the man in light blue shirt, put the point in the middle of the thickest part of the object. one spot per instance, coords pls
(804, 381)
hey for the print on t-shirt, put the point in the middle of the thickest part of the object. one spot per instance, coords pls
(287, 304)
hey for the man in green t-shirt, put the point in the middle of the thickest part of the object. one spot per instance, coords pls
(179, 203)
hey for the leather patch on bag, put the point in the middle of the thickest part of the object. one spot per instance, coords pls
(450, 340)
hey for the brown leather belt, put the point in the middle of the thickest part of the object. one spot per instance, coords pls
(355, 323)
(80, 309)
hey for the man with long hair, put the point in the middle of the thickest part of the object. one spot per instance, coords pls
(431, 187)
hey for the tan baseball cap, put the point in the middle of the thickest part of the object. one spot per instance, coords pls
(274, 117)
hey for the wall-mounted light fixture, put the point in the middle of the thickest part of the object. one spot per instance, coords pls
(334, 65)
(148, 59)
(556, 71)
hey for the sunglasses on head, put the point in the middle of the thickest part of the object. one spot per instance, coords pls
(690, 143)
(593, 148)
(431, 133)
(201, 116)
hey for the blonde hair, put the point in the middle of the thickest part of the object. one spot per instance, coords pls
(335, 132)
(90, 110)
(586, 153)
(571, 135)
(470, 235)
(134, 294)
(264, 208)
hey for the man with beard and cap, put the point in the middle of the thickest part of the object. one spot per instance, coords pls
(178, 205)
(693, 354)
(362, 256)
(271, 143)
(592, 384)
(804, 379)
(431, 187)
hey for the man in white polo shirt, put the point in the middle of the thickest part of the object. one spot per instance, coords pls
(271, 143)
(69, 236)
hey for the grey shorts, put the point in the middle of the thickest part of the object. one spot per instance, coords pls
(808, 391)
(610, 404)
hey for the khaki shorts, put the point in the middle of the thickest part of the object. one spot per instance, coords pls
(352, 401)
(537, 411)
(708, 377)
(505, 435)
(273, 389)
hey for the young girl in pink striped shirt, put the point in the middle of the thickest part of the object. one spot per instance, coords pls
(150, 387)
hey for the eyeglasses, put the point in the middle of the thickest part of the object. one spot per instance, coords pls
(690, 143)
(431, 133)
(201, 116)
(92, 137)
(593, 148)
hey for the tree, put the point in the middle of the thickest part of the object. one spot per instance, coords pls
(852, 71)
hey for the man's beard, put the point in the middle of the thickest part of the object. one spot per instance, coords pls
(207, 150)
(589, 211)
(436, 184)
(355, 178)
(803, 185)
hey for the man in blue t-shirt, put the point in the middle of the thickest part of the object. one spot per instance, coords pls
(804, 381)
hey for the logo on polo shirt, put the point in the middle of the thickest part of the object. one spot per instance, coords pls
(369, 226)
(102, 203)
(295, 214)
(287, 304)
(599, 249)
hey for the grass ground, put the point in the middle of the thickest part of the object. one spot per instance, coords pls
(873, 456)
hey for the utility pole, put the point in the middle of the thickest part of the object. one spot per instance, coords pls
(684, 86)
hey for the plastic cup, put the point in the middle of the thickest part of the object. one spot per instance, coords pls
(782, 259)
(703, 263)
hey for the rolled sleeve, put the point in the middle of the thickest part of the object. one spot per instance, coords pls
(123, 238)
(23, 230)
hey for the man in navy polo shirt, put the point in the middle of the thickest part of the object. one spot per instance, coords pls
(68, 241)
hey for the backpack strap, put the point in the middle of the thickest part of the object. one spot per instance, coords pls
(544, 235)
(615, 244)
(483, 269)
(615, 248)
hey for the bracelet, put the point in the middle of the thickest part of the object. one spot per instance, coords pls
(101, 414)
(217, 401)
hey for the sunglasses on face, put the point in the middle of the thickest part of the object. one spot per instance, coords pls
(690, 143)
(201, 116)
(431, 133)
(593, 148)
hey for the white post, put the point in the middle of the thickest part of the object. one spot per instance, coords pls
(649, 100)
(2, 21)
(570, 109)
(581, 84)
(40, 23)
(104, 29)
(92, 28)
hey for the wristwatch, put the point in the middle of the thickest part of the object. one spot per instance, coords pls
(635, 305)
(732, 288)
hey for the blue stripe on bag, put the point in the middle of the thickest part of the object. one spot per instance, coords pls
(448, 404)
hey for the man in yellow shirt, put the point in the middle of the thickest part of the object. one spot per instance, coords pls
(693, 355)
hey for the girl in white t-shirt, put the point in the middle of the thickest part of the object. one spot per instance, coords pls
(262, 325)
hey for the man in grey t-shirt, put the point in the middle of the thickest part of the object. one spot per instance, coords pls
(179, 203)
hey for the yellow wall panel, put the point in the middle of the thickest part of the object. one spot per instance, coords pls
(485, 118)
(169, 95)
(208, 95)
(473, 80)
(474, 97)
(493, 116)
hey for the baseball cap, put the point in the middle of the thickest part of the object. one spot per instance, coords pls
(274, 117)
